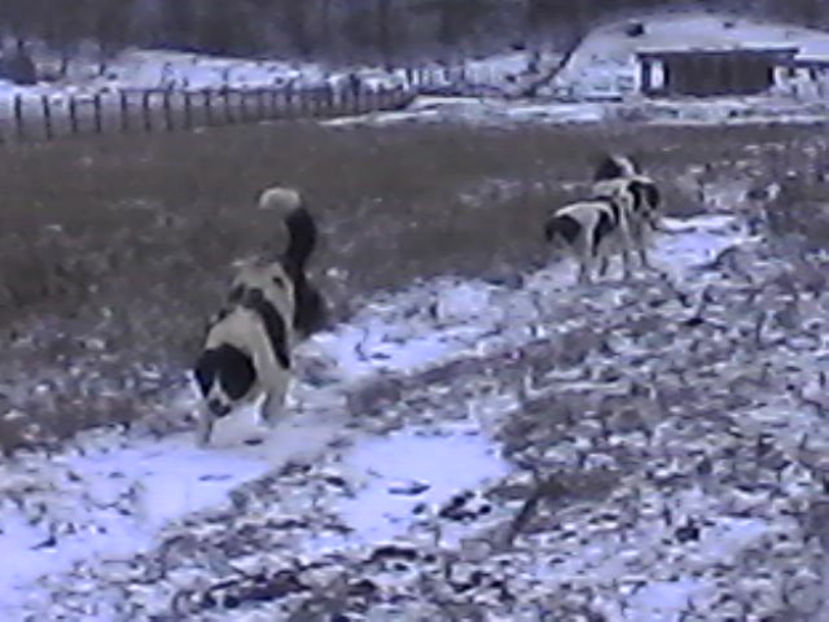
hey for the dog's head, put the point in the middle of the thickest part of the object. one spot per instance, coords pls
(225, 375)
(613, 166)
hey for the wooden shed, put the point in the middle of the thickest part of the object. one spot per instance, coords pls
(713, 72)
(816, 67)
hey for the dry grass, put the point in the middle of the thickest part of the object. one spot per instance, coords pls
(114, 250)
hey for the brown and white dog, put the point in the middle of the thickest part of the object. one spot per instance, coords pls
(270, 307)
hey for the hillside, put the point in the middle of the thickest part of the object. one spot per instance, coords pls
(605, 60)
(392, 31)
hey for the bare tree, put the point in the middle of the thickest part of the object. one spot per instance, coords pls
(296, 16)
(110, 21)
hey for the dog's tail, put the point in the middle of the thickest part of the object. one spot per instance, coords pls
(302, 230)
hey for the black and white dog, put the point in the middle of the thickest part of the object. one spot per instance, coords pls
(620, 177)
(271, 306)
(590, 230)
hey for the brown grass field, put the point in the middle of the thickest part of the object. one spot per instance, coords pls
(115, 249)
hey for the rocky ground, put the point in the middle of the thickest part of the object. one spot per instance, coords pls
(649, 450)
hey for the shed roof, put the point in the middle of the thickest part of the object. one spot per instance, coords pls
(810, 61)
(777, 52)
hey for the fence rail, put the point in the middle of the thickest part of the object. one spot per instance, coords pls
(26, 118)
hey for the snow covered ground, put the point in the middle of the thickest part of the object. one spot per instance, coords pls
(371, 453)
(165, 69)
(603, 67)
(497, 112)
(391, 479)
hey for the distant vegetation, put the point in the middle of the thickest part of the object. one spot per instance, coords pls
(390, 31)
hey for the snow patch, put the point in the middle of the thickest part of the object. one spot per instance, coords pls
(409, 469)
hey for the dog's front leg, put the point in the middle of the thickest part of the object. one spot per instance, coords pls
(205, 430)
(272, 408)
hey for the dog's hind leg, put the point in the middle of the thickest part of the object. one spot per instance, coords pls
(627, 264)
(643, 258)
(604, 265)
(586, 265)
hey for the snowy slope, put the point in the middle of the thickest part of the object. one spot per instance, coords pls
(110, 496)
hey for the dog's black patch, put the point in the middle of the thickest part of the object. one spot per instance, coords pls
(255, 300)
(228, 365)
(603, 228)
(565, 226)
(615, 210)
(637, 190)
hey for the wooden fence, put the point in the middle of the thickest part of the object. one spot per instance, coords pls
(47, 117)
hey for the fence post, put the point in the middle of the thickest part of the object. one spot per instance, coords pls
(274, 103)
(311, 102)
(289, 102)
(168, 113)
(96, 105)
(123, 106)
(188, 110)
(47, 115)
(145, 111)
(243, 107)
(208, 107)
(351, 99)
(298, 108)
(18, 117)
(260, 103)
(73, 114)
(321, 96)
(226, 99)
(329, 100)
